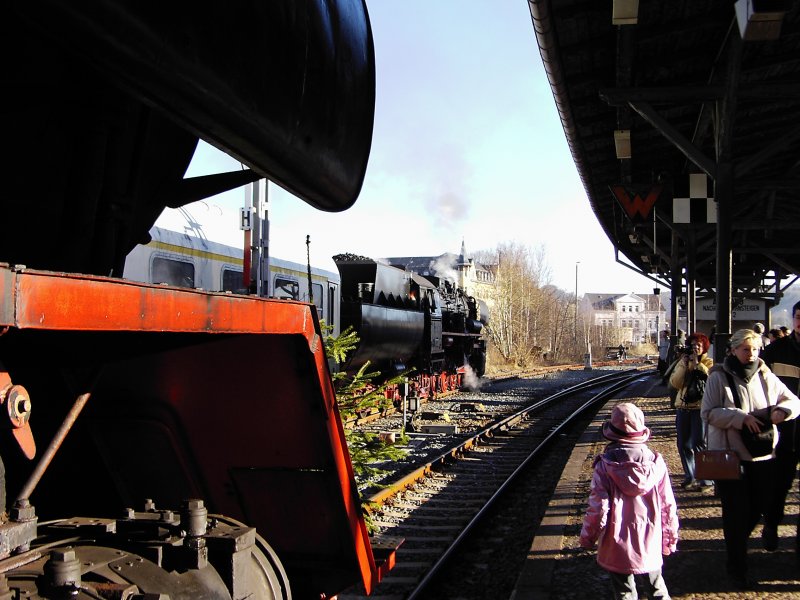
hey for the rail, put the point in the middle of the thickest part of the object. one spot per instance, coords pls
(618, 383)
(382, 495)
(452, 496)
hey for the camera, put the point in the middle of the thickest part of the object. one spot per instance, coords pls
(681, 350)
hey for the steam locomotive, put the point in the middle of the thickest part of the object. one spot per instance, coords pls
(408, 322)
(162, 441)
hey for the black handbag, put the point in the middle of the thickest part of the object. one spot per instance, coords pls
(758, 443)
(696, 387)
(761, 443)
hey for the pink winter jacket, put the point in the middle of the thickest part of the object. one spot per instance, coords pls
(632, 513)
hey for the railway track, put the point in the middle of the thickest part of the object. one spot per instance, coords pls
(375, 414)
(436, 507)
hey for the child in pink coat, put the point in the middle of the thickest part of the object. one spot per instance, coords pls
(632, 516)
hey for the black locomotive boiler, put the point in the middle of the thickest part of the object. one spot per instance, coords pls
(406, 321)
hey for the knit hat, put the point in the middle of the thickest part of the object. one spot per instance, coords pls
(626, 425)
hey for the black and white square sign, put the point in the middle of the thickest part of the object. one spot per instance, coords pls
(698, 206)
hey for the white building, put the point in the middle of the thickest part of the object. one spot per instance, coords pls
(637, 317)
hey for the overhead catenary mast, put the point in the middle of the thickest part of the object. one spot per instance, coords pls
(254, 222)
(308, 267)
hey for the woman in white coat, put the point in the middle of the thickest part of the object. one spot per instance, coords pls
(763, 399)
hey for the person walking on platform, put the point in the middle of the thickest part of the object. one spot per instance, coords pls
(741, 395)
(632, 516)
(783, 357)
(663, 352)
(774, 334)
(759, 329)
(689, 378)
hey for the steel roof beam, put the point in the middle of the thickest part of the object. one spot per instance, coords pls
(789, 185)
(620, 96)
(789, 225)
(666, 95)
(694, 154)
(746, 165)
(783, 264)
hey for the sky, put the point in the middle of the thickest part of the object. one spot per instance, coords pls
(467, 145)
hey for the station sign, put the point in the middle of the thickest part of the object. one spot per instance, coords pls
(744, 310)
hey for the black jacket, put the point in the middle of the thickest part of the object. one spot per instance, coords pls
(783, 357)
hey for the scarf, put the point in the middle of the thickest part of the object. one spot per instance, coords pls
(745, 372)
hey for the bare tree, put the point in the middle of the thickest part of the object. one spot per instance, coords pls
(529, 317)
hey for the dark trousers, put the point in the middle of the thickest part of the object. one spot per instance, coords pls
(743, 502)
(785, 470)
(623, 587)
(690, 429)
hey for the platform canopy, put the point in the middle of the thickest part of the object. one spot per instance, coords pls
(672, 109)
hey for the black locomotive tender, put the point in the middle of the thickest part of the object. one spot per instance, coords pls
(406, 321)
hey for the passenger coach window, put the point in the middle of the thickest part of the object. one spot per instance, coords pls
(319, 299)
(232, 280)
(331, 302)
(286, 288)
(172, 272)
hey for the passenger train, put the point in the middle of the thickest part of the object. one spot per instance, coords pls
(184, 260)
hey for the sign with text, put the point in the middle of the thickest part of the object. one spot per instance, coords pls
(746, 310)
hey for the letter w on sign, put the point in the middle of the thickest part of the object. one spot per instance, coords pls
(637, 203)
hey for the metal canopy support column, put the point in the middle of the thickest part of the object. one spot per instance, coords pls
(675, 291)
(724, 184)
(691, 321)
(724, 197)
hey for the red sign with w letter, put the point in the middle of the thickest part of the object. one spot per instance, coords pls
(637, 202)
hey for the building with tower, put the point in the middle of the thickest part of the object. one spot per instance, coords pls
(474, 278)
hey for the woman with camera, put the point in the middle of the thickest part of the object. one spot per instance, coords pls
(689, 378)
(743, 398)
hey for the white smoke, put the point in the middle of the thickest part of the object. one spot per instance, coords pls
(443, 269)
(470, 380)
(446, 189)
(447, 207)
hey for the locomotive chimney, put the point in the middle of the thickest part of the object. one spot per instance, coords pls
(366, 292)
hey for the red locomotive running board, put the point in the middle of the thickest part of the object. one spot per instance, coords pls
(217, 396)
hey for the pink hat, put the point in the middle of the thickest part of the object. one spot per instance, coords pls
(626, 425)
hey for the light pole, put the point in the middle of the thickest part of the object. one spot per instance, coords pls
(576, 304)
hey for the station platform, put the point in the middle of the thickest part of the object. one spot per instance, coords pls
(556, 566)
